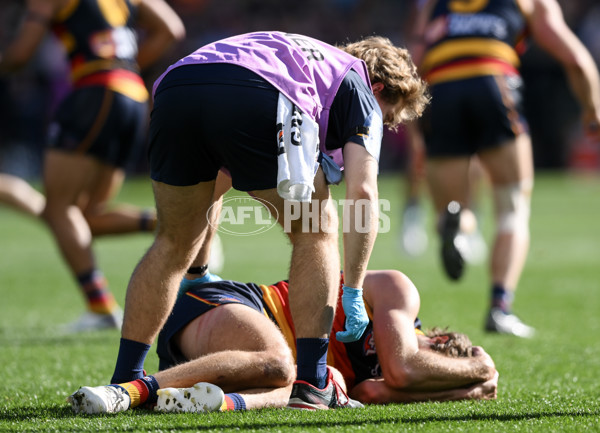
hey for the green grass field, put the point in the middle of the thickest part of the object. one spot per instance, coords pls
(549, 383)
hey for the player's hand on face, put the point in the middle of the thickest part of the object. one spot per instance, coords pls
(356, 315)
(490, 388)
(482, 356)
(479, 351)
(487, 390)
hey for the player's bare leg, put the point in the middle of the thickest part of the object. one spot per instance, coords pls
(153, 286)
(511, 173)
(66, 176)
(315, 264)
(448, 180)
(180, 233)
(17, 193)
(239, 350)
(206, 255)
(511, 165)
(104, 217)
(234, 352)
(477, 251)
(313, 286)
(413, 236)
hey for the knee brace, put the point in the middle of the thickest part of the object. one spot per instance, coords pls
(513, 204)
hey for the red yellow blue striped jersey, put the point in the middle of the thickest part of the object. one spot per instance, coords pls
(101, 44)
(469, 38)
(357, 361)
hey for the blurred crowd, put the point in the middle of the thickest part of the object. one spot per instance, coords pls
(28, 98)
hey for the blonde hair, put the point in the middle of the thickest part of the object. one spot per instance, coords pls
(393, 67)
(456, 346)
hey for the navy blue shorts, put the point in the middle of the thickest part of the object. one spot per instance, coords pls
(470, 115)
(198, 301)
(103, 123)
(210, 116)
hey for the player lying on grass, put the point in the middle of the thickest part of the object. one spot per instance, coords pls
(237, 340)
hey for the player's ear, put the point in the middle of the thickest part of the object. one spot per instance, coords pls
(440, 339)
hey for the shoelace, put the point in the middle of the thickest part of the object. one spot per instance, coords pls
(341, 396)
(115, 396)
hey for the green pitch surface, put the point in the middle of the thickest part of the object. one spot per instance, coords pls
(549, 383)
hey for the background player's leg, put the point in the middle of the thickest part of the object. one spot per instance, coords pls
(66, 175)
(511, 172)
(17, 193)
(105, 218)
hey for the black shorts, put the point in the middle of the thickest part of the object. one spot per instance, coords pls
(198, 301)
(103, 123)
(210, 116)
(469, 115)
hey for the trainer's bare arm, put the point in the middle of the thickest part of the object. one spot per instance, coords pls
(551, 32)
(405, 365)
(360, 173)
(36, 21)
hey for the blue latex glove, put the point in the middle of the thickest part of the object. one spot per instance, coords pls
(186, 284)
(356, 315)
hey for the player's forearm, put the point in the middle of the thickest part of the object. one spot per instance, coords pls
(585, 84)
(35, 24)
(551, 32)
(376, 391)
(162, 27)
(152, 49)
(428, 371)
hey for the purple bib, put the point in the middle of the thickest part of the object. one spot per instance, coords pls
(306, 70)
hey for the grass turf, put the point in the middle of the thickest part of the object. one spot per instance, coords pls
(549, 383)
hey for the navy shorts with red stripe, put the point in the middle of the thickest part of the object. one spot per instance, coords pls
(473, 114)
(101, 122)
(197, 301)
